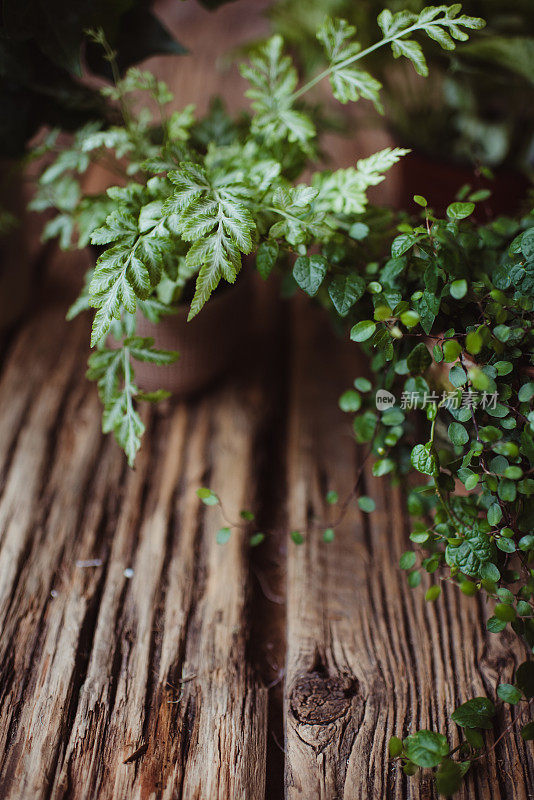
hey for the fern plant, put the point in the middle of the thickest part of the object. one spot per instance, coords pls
(197, 196)
(477, 105)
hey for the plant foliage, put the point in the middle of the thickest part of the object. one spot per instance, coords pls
(477, 105)
(445, 317)
(197, 196)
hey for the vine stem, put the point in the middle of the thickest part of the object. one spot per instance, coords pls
(352, 59)
(514, 722)
(111, 56)
(127, 379)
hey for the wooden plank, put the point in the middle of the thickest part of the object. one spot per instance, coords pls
(366, 657)
(91, 700)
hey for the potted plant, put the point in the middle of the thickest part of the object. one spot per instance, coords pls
(197, 196)
(473, 113)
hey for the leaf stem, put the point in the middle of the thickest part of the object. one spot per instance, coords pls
(352, 59)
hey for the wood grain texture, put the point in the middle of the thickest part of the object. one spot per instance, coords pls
(145, 684)
(366, 656)
(115, 686)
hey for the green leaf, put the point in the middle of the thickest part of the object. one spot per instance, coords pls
(508, 693)
(383, 467)
(489, 572)
(363, 385)
(273, 79)
(504, 612)
(223, 535)
(424, 460)
(407, 560)
(419, 359)
(309, 273)
(460, 210)
(394, 746)
(527, 244)
(495, 625)
(473, 551)
(506, 545)
(437, 352)
(426, 748)
(411, 50)
(266, 258)
(402, 244)
(362, 330)
(348, 82)
(208, 497)
(297, 537)
(527, 732)
(359, 231)
(458, 434)
(350, 400)
(414, 579)
(256, 539)
(128, 431)
(474, 737)
(432, 593)
(524, 678)
(449, 776)
(366, 504)
(211, 214)
(428, 306)
(526, 543)
(332, 497)
(328, 535)
(494, 514)
(410, 318)
(503, 367)
(458, 289)
(468, 588)
(451, 350)
(344, 191)
(345, 291)
(248, 516)
(475, 713)
(142, 349)
(364, 426)
(526, 392)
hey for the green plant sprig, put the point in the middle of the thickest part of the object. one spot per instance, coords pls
(396, 29)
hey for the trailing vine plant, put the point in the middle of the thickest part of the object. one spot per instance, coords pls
(446, 321)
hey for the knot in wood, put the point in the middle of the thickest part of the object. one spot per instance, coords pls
(318, 700)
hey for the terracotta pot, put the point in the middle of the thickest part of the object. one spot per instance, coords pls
(439, 181)
(208, 345)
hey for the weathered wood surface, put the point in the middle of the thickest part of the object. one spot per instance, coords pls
(153, 685)
(116, 686)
